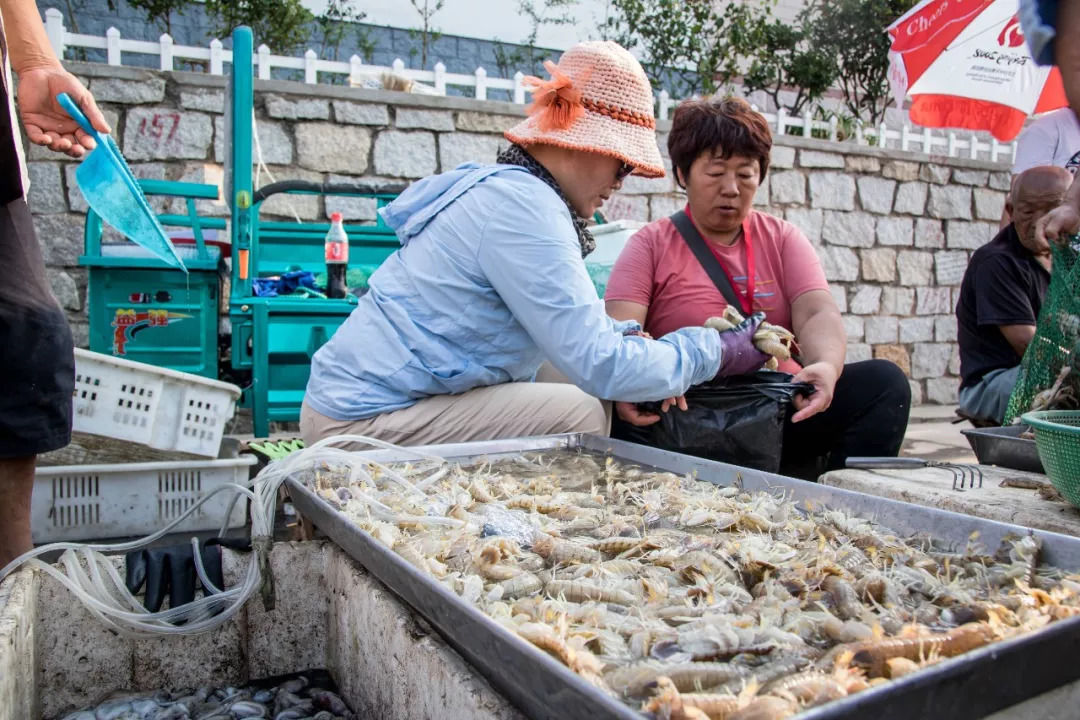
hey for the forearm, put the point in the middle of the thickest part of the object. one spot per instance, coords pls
(28, 45)
(1072, 197)
(1067, 52)
(822, 339)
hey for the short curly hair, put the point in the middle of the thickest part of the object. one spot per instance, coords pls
(729, 126)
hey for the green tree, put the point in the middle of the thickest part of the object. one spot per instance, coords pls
(780, 57)
(427, 32)
(334, 24)
(159, 12)
(686, 45)
(852, 32)
(526, 55)
(283, 25)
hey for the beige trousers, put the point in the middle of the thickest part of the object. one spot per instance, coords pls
(546, 407)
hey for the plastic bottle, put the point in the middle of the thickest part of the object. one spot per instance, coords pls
(336, 251)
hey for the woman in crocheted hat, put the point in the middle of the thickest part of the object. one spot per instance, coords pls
(490, 282)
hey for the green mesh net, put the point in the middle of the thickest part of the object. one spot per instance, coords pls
(1057, 336)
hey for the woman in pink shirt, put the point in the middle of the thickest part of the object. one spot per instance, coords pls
(720, 154)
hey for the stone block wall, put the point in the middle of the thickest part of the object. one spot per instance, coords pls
(893, 230)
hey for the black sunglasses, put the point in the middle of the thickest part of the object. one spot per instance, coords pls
(624, 170)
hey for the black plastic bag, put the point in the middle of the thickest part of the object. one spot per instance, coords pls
(736, 420)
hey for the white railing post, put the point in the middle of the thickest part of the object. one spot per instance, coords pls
(481, 83)
(883, 135)
(112, 46)
(440, 78)
(166, 52)
(663, 105)
(833, 123)
(860, 134)
(974, 147)
(54, 28)
(781, 121)
(954, 150)
(519, 87)
(356, 70)
(311, 76)
(264, 62)
(398, 66)
(995, 148)
(927, 141)
(808, 124)
(905, 137)
(217, 64)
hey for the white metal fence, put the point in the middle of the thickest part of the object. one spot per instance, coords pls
(952, 144)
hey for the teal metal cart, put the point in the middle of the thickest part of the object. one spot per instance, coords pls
(276, 337)
(144, 310)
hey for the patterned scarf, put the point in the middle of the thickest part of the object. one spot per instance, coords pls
(517, 155)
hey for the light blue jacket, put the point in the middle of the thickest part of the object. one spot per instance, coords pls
(488, 282)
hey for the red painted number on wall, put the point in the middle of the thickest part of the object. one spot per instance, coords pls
(160, 126)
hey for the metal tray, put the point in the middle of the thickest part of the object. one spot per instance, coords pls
(970, 686)
(1003, 446)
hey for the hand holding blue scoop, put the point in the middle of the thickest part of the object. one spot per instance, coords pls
(110, 189)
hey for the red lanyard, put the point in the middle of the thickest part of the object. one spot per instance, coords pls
(747, 299)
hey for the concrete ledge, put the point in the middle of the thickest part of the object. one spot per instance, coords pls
(18, 646)
(390, 664)
(56, 657)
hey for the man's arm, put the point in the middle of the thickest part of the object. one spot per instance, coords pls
(1065, 219)
(28, 45)
(1067, 50)
(1019, 336)
(41, 79)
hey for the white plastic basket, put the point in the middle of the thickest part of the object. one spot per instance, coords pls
(153, 406)
(88, 502)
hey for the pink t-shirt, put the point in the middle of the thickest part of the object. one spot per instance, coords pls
(658, 269)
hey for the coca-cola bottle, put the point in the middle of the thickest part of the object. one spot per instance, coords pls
(337, 258)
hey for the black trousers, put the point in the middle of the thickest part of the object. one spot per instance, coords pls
(868, 417)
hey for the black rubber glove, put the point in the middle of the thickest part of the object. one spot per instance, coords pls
(171, 569)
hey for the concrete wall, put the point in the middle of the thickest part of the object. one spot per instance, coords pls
(894, 230)
(55, 657)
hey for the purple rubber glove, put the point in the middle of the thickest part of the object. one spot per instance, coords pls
(739, 356)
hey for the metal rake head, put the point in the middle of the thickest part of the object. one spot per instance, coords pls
(962, 474)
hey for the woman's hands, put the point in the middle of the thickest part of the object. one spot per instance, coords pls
(823, 377)
(631, 413)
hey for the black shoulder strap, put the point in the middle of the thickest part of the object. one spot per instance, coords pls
(704, 256)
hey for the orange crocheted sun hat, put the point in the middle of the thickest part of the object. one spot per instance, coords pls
(599, 100)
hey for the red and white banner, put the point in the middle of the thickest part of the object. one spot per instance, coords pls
(965, 64)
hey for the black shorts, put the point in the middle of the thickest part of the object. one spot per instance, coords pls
(37, 363)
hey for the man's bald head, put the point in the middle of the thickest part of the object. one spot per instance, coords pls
(1036, 192)
(1040, 184)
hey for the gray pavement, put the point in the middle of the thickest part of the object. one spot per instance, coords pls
(931, 435)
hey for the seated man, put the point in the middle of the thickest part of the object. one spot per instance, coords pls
(1001, 295)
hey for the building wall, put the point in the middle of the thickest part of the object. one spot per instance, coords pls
(894, 230)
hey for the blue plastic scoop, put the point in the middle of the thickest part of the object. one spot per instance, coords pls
(110, 189)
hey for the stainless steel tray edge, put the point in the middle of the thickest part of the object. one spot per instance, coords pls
(971, 686)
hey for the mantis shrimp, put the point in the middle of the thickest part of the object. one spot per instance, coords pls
(770, 339)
